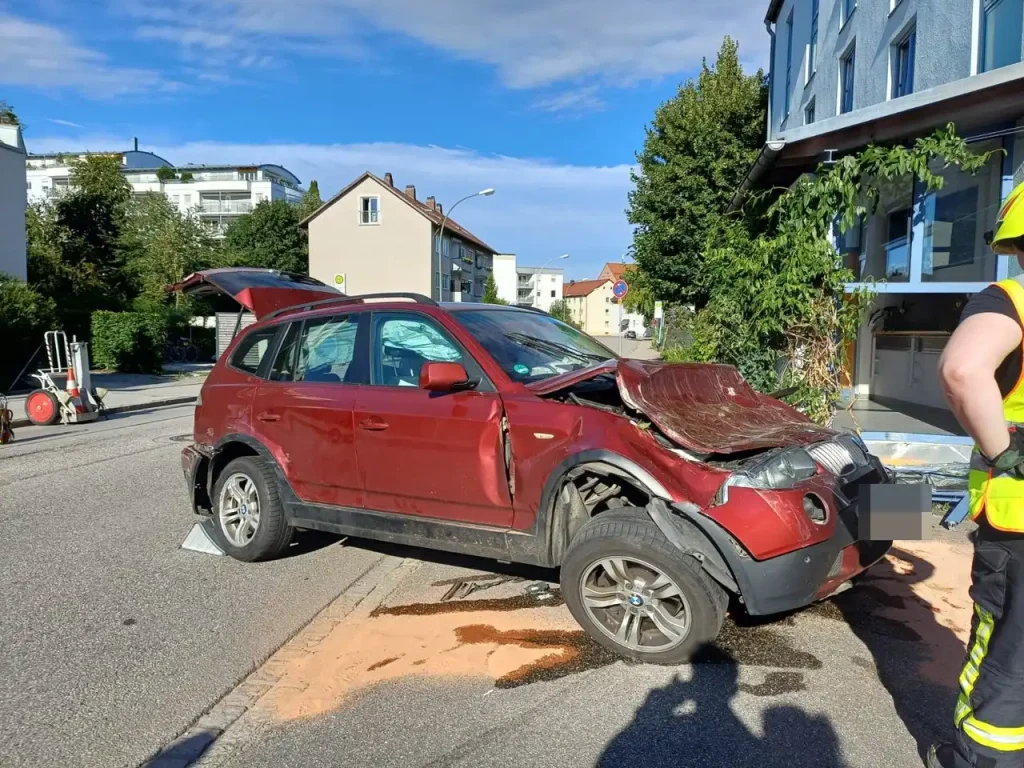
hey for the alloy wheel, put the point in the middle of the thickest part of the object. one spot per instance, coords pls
(239, 509)
(635, 604)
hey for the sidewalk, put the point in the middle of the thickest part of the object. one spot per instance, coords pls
(180, 384)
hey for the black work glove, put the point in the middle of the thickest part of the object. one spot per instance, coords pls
(1010, 461)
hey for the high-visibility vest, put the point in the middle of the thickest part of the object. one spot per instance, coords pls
(999, 495)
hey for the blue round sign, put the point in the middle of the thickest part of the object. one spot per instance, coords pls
(620, 289)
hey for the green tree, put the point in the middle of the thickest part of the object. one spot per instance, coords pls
(186, 176)
(696, 152)
(165, 246)
(101, 176)
(75, 254)
(640, 298)
(269, 238)
(560, 311)
(166, 173)
(311, 201)
(777, 298)
(491, 292)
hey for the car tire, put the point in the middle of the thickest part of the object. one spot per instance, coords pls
(627, 542)
(42, 408)
(243, 481)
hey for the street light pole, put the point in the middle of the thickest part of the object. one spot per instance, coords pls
(540, 272)
(440, 233)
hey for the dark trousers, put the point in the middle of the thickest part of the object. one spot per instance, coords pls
(990, 712)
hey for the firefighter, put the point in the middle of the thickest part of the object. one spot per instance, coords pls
(982, 375)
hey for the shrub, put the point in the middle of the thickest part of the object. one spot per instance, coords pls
(25, 316)
(131, 342)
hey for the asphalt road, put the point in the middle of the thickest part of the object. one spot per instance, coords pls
(496, 680)
(112, 639)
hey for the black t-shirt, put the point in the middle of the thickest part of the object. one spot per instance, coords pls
(995, 299)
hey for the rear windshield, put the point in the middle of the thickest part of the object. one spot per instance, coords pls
(530, 346)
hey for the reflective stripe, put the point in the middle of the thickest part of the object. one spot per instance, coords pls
(972, 669)
(994, 737)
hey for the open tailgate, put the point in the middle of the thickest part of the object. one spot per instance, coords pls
(261, 291)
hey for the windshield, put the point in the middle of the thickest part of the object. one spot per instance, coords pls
(529, 345)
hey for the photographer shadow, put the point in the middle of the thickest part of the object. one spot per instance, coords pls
(691, 723)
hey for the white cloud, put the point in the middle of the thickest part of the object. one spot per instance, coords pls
(540, 209)
(67, 123)
(531, 43)
(574, 102)
(40, 56)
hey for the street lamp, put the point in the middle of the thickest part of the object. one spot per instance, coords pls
(440, 233)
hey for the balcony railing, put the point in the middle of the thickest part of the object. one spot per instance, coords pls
(225, 206)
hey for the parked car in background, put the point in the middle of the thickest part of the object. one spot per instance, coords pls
(659, 491)
(630, 334)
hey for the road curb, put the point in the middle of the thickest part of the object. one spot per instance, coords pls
(24, 422)
(237, 717)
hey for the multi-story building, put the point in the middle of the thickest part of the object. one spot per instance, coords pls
(850, 72)
(12, 199)
(629, 321)
(505, 277)
(216, 193)
(372, 237)
(538, 287)
(592, 306)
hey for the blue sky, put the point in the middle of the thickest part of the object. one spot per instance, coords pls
(545, 100)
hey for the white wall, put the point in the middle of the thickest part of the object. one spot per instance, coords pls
(13, 202)
(505, 276)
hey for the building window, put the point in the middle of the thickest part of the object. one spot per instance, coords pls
(437, 279)
(368, 210)
(812, 45)
(847, 66)
(28, 185)
(903, 65)
(1002, 22)
(552, 294)
(849, 6)
(175, 199)
(789, 66)
(809, 113)
(188, 201)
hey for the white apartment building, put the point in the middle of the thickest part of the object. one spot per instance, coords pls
(538, 287)
(505, 276)
(12, 201)
(216, 193)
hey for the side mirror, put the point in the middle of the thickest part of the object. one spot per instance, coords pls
(444, 377)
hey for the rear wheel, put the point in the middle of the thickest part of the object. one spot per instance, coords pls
(636, 594)
(250, 522)
(41, 408)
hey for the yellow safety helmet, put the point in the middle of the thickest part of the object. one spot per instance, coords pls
(1010, 222)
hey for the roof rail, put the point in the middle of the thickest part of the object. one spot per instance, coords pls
(415, 297)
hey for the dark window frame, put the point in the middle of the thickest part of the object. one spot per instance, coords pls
(903, 55)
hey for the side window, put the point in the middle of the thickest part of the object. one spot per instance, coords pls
(284, 365)
(403, 343)
(327, 350)
(250, 351)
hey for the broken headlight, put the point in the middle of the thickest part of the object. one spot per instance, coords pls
(778, 471)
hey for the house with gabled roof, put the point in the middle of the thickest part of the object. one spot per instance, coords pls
(373, 237)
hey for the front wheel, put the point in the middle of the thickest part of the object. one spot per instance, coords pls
(250, 522)
(636, 594)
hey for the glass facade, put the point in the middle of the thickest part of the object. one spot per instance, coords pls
(955, 220)
(1002, 24)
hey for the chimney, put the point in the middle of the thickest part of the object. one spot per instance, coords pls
(389, 179)
(135, 143)
(410, 190)
(439, 208)
(432, 203)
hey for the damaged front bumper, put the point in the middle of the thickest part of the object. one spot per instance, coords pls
(792, 580)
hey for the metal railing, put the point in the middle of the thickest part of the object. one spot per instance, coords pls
(225, 206)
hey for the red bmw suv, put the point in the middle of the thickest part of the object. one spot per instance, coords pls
(659, 490)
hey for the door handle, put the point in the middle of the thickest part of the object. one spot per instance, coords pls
(374, 424)
(269, 416)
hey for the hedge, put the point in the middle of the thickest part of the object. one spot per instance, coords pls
(131, 342)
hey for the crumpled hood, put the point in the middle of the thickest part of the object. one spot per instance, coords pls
(703, 407)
